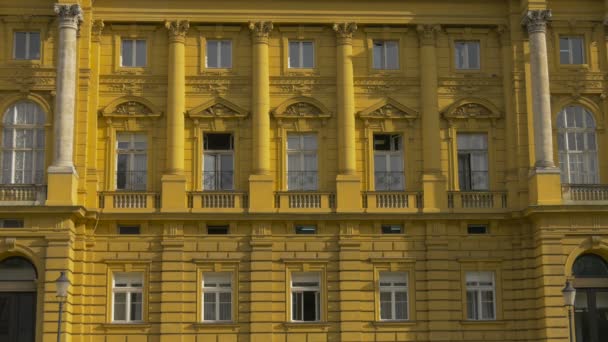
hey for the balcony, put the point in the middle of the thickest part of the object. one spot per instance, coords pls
(217, 202)
(585, 193)
(305, 201)
(129, 201)
(471, 201)
(392, 201)
(22, 194)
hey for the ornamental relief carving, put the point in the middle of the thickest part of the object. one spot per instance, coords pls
(217, 108)
(300, 108)
(471, 110)
(130, 85)
(388, 109)
(217, 86)
(299, 85)
(132, 108)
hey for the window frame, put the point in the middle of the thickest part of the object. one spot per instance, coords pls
(570, 49)
(384, 53)
(478, 290)
(465, 43)
(220, 42)
(131, 152)
(128, 290)
(27, 56)
(389, 155)
(217, 291)
(469, 153)
(301, 289)
(302, 153)
(218, 161)
(393, 289)
(300, 44)
(587, 155)
(134, 41)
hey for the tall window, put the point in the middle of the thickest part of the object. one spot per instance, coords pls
(23, 144)
(219, 54)
(131, 161)
(577, 146)
(305, 297)
(388, 162)
(481, 296)
(218, 161)
(386, 54)
(26, 45)
(217, 296)
(572, 50)
(467, 54)
(473, 161)
(301, 54)
(393, 296)
(301, 162)
(127, 297)
(133, 53)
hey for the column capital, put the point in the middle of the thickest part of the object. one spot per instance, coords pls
(96, 29)
(344, 32)
(536, 20)
(426, 33)
(69, 15)
(260, 30)
(177, 30)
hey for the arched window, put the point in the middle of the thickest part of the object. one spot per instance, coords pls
(590, 266)
(17, 269)
(23, 144)
(577, 146)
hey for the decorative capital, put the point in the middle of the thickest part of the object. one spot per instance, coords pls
(69, 15)
(260, 30)
(96, 30)
(426, 33)
(536, 21)
(344, 32)
(177, 29)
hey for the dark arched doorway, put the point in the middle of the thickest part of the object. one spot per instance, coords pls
(591, 304)
(17, 300)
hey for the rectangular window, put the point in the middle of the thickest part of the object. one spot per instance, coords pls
(133, 53)
(302, 162)
(128, 230)
(218, 161)
(392, 229)
(305, 297)
(480, 296)
(131, 161)
(477, 229)
(301, 54)
(388, 163)
(219, 54)
(217, 230)
(386, 54)
(473, 161)
(393, 296)
(26, 45)
(467, 54)
(127, 297)
(217, 296)
(571, 50)
(11, 223)
(306, 229)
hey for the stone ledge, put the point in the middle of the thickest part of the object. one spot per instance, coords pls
(216, 326)
(306, 326)
(145, 327)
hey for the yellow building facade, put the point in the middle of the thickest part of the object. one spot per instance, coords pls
(299, 171)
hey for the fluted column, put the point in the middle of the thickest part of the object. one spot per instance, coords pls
(536, 23)
(348, 182)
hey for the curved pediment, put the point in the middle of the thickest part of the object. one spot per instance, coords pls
(301, 107)
(218, 108)
(388, 109)
(131, 106)
(472, 108)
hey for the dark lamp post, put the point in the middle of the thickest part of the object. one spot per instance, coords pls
(62, 283)
(569, 294)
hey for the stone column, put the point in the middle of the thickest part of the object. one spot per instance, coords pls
(435, 196)
(260, 181)
(174, 180)
(63, 179)
(348, 182)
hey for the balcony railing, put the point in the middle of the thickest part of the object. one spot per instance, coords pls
(302, 180)
(593, 193)
(22, 194)
(214, 201)
(303, 201)
(119, 200)
(477, 200)
(389, 181)
(392, 201)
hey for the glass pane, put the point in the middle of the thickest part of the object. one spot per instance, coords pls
(590, 265)
(296, 306)
(378, 59)
(34, 52)
(310, 142)
(392, 55)
(126, 53)
(225, 306)
(471, 305)
(140, 54)
(577, 50)
(473, 55)
(212, 51)
(308, 55)
(386, 307)
(293, 142)
(581, 317)
(226, 54)
(459, 52)
(487, 300)
(120, 306)
(209, 306)
(400, 305)
(136, 307)
(294, 55)
(7, 138)
(19, 45)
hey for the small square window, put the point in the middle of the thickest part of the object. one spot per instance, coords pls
(133, 53)
(26, 45)
(217, 230)
(306, 229)
(386, 54)
(572, 50)
(392, 229)
(129, 230)
(11, 223)
(477, 229)
(301, 54)
(219, 54)
(467, 54)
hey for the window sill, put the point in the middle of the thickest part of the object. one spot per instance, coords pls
(306, 326)
(228, 326)
(483, 322)
(127, 326)
(395, 323)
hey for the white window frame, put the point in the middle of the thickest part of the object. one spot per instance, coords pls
(219, 283)
(465, 57)
(570, 50)
(301, 155)
(131, 138)
(393, 283)
(218, 164)
(133, 62)
(383, 63)
(585, 157)
(220, 45)
(10, 120)
(389, 155)
(132, 279)
(478, 283)
(27, 45)
(470, 153)
(300, 49)
(305, 282)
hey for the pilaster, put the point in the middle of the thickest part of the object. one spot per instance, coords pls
(92, 181)
(172, 305)
(261, 284)
(350, 267)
